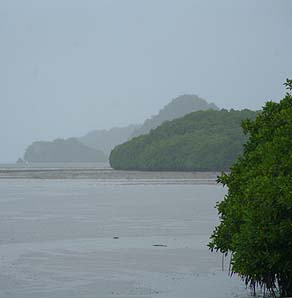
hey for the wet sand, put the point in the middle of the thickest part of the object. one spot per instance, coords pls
(86, 238)
(108, 175)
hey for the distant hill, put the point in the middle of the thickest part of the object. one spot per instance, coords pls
(200, 141)
(106, 140)
(177, 108)
(62, 150)
(103, 141)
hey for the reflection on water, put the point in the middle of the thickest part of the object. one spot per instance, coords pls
(120, 234)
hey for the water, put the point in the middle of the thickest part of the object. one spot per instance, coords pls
(118, 234)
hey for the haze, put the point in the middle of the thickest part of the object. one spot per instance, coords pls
(68, 67)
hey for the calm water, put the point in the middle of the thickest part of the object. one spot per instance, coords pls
(116, 235)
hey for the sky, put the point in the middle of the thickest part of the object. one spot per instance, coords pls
(71, 66)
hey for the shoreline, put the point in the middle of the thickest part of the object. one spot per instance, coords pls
(108, 175)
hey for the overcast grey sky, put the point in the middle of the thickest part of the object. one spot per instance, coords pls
(68, 66)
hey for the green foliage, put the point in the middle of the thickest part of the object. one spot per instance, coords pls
(256, 214)
(60, 150)
(200, 141)
(106, 140)
(178, 107)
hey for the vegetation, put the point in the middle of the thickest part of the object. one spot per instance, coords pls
(177, 108)
(106, 140)
(60, 150)
(200, 141)
(256, 214)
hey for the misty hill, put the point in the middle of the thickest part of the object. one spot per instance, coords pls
(200, 141)
(60, 150)
(177, 108)
(106, 140)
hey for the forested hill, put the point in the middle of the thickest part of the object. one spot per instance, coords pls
(200, 141)
(60, 150)
(177, 108)
(106, 140)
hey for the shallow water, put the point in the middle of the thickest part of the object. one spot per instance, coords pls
(111, 237)
(102, 173)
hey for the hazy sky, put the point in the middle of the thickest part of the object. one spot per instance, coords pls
(68, 66)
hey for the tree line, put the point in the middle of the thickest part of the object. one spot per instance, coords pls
(200, 141)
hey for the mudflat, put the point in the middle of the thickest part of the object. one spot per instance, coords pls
(114, 237)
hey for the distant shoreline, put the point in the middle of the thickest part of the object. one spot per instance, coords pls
(108, 175)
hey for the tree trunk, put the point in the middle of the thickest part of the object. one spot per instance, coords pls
(286, 293)
(286, 286)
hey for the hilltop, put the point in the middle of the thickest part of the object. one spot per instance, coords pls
(62, 150)
(200, 141)
(177, 108)
(106, 140)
